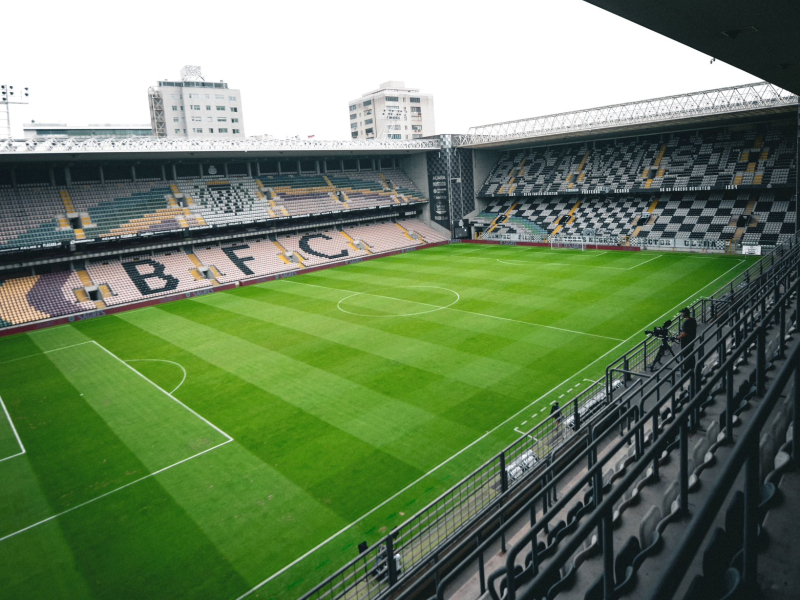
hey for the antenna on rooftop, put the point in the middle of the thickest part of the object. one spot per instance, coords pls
(191, 73)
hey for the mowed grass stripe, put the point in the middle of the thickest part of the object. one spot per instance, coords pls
(292, 478)
(159, 431)
(244, 347)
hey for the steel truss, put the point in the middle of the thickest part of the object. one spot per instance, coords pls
(76, 145)
(734, 99)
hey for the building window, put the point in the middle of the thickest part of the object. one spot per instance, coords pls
(368, 122)
(208, 96)
(416, 128)
(352, 107)
(197, 129)
(414, 100)
(369, 131)
(392, 99)
(232, 98)
(195, 107)
(174, 97)
(209, 119)
(197, 119)
(234, 119)
(367, 103)
(353, 125)
(353, 116)
(210, 130)
(416, 109)
(175, 108)
(416, 136)
(367, 113)
(221, 119)
(177, 131)
(219, 96)
(235, 131)
(175, 119)
(395, 136)
(354, 134)
(223, 130)
(221, 107)
(234, 109)
(208, 107)
(194, 96)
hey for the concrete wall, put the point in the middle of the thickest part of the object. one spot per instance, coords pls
(416, 167)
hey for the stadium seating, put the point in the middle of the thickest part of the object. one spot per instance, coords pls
(43, 215)
(130, 279)
(712, 159)
(752, 217)
(36, 297)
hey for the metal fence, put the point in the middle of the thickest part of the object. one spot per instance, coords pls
(415, 542)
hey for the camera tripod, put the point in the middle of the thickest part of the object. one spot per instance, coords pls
(662, 351)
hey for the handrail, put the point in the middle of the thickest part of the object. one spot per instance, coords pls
(679, 426)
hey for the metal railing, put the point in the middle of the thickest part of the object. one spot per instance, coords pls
(427, 539)
(754, 323)
(753, 96)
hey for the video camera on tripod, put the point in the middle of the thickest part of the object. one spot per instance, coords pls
(662, 333)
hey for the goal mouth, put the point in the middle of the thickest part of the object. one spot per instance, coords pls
(558, 242)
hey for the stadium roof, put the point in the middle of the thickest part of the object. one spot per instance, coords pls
(762, 38)
(100, 147)
(732, 102)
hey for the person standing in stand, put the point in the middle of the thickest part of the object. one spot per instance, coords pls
(687, 335)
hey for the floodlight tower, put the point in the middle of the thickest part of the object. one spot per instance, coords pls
(9, 96)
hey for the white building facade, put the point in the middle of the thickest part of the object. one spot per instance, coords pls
(195, 109)
(392, 112)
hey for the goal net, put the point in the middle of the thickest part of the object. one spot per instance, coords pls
(567, 242)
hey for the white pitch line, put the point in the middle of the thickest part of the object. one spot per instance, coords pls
(168, 394)
(172, 362)
(101, 496)
(45, 352)
(645, 262)
(530, 262)
(301, 558)
(228, 439)
(16, 435)
(469, 312)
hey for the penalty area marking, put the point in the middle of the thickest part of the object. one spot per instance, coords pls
(172, 362)
(13, 429)
(423, 312)
(228, 439)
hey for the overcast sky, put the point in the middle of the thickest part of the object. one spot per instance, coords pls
(299, 63)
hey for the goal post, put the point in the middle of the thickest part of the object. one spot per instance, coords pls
(567, 242)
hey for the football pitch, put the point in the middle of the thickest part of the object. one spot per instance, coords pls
(242, 443)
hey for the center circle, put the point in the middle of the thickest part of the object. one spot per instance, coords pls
(371, 304)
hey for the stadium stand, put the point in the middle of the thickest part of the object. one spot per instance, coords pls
(36, 297)
(752, 217)
(710, 159)
(116, 281)
(46, 216)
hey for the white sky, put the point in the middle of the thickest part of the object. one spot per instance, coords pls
(298, 63)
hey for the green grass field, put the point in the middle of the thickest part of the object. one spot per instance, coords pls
(196, 449)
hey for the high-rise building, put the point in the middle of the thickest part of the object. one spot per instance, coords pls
(392, 112)
(196, 109)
